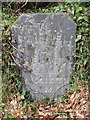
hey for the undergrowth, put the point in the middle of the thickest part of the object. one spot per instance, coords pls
(11, 81)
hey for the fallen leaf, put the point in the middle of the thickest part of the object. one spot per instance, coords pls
(41, 114)
(70, 105)
(73, 95)
(79, 115)
(54, 109)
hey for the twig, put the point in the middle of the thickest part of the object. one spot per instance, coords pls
(21, 66)
(47, 6)
(36, 6)
(15, 60)
(59, 89)
(16, 48)
(22, 6)
(10, 3)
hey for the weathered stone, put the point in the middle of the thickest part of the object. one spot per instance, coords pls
(47, 42)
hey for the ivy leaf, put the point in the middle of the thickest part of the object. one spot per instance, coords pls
(22, 97)
(80, 9)
(79, 18)
(78, 38)
(86, 18)
(85, 61)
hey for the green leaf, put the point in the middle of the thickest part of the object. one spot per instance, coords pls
(81, 49)
(86, 18)
(78, 38)
(85, 61)
(22, 97)
(80, 9)
(79, 18)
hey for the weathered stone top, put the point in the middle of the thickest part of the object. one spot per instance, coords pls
(48, 43)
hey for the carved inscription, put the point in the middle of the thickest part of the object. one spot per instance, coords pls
(48, 44)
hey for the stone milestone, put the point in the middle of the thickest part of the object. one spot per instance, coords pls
(45, 47)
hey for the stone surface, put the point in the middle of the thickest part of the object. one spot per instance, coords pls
(46, 44)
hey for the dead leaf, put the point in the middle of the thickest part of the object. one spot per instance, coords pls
(79, 115)
(73, 95)
(41, 114)
(54, 109)
(47, 107)
(52, 117)
(70, 105)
